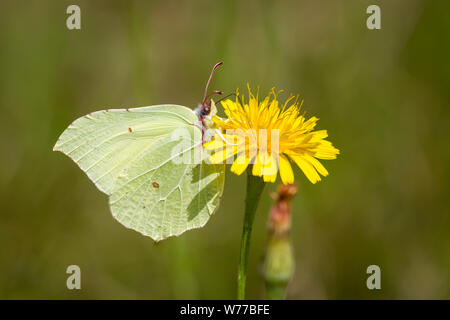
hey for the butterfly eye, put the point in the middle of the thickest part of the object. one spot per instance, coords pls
(205, 110)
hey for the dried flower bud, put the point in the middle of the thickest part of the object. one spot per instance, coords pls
(278, 264)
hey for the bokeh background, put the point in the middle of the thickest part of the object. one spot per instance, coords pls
(383, 96)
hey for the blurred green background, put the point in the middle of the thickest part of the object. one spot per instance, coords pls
(383, 96)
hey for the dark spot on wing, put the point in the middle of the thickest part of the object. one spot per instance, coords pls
(129, 130)
(155, 184)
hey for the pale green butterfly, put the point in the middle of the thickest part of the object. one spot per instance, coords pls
(128, 154)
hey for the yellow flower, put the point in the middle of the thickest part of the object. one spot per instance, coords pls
(270, 137)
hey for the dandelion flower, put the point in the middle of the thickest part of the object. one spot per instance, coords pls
(271, 137)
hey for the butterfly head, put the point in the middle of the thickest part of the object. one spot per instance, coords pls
(207, 112)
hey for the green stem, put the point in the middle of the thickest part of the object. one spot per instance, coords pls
(255, 186)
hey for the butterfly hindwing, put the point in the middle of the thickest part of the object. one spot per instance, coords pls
(161, 198)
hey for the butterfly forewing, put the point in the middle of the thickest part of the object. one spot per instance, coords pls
(105, 142)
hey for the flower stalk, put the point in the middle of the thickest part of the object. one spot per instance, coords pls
(255, 187)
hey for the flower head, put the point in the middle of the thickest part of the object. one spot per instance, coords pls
(270, 136)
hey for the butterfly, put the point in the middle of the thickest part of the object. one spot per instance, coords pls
(129, 154)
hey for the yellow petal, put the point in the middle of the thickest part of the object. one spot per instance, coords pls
(310, 123)
(286, 173)
(325, 150)
(229, 107)
(265, 166)
(222, 155)
(220, 122)
(270, 178)
(270, 167)
(240, 164)
(214, 144)
(257, 166)
(307, 168)
(319, 167)
(319, 135)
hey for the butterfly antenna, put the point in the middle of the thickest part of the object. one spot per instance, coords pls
(211, 94)
(205, 95)
(228, 95)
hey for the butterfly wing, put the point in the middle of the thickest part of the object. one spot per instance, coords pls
(156, 180)
(104, 143)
